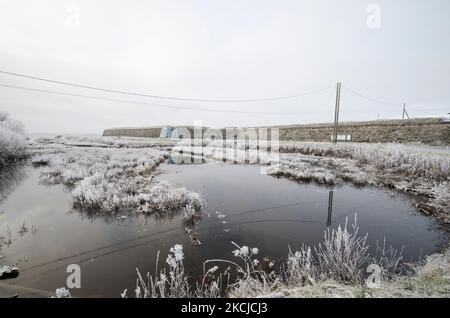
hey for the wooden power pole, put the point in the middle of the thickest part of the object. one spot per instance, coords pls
(405, 113)
(336, 112)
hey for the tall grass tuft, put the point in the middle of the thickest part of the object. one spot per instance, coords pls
(342, 254)
(342, 257)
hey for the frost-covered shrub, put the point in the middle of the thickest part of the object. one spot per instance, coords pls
(342, 254)
(12, 140)
(13, 125)
(303, 172)
(97, 194)
(163, 198)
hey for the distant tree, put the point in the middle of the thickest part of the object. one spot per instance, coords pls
(12, 140)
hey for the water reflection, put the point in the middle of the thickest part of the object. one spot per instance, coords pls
(180, 157)
(273, 212)
(154, 219)
(10, 176)
(330, 207)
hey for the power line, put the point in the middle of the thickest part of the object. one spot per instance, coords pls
(188, 108)
(153, 104)
(184, 99)
(432, 109)
(422, 111)
(387, 103)
(165, 97)
(370, 98)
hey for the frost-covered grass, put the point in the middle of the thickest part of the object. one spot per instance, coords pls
(104, 142)
(113, 180)
(12, 140)
(172, 284)
(341, 259)
(342, 254)
(70, 165)
(329, 171)
(395, 159)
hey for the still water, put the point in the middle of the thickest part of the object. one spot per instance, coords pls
(244, 205)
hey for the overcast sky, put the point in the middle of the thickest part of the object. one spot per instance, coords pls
(397, 51)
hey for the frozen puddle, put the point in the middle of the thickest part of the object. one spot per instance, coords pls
(244, 206)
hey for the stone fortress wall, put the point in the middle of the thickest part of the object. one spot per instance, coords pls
(432, 131)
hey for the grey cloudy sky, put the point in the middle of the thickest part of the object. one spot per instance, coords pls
(222, 50)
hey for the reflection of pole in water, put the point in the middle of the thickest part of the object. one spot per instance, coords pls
(330, 207)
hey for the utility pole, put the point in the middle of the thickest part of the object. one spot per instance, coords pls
(336, 111)
(405, 113)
